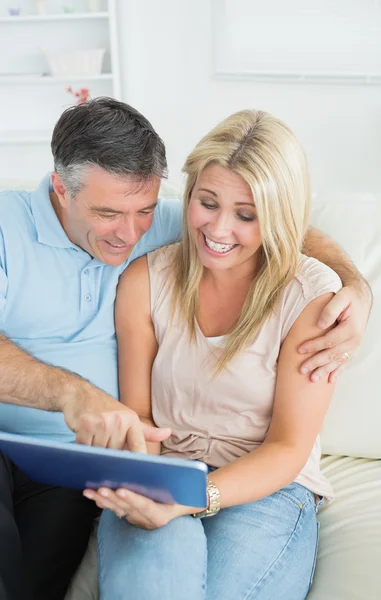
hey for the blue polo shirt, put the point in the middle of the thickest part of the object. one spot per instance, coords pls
(57, 302)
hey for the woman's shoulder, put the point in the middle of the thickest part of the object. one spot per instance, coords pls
(161, 258)
(311, 280)
(314, 278)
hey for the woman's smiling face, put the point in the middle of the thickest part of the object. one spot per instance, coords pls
(222, 220)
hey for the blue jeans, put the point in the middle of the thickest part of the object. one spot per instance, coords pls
(264, 550)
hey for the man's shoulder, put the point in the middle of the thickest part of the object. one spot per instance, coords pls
(14, 205)
(169, 207)
(165, 228)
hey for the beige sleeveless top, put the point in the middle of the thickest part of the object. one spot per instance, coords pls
(218, 420)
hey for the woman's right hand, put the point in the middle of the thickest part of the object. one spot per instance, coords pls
(137, 509)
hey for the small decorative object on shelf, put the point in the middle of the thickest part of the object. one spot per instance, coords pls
(41, 7)
(14, 11)
(81, 95)
(68, 7)
(80, 63)
(93, 5)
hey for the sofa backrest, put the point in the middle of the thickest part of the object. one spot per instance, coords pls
(353, 423)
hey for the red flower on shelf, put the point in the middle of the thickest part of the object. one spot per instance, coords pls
(81, 95)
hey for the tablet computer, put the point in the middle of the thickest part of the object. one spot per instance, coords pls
(164, 479)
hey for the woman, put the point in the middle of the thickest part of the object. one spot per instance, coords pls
(208, 332)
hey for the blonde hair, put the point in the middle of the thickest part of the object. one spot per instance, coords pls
(268, 156)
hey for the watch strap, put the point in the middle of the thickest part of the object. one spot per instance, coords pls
(213, 502)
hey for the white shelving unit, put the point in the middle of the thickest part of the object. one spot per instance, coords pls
(38, 79)
(54, 17)
(31, 98)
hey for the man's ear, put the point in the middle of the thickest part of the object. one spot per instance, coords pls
(59, 188)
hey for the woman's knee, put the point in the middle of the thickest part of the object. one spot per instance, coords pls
(167, 564)
(271, 547)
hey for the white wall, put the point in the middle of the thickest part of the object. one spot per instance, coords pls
(166, 52)
(167, 73)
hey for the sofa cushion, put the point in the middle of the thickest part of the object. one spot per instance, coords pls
(84, 585)
(352, 425)
(349, 557)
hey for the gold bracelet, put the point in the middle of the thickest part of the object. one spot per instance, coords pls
(213, 502)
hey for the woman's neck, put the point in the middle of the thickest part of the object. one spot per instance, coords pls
(239, 277)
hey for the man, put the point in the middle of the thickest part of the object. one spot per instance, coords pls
(62, 249)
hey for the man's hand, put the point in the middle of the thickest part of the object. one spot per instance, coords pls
(350, 307)
(99, 420)
(136, 509)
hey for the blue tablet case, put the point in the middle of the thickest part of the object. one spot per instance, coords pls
(165, 479)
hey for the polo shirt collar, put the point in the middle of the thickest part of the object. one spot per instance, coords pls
(49, 229)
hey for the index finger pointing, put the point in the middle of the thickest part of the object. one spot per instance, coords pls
(155, 434)
(135, 438)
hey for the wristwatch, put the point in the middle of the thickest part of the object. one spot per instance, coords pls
(213, 502)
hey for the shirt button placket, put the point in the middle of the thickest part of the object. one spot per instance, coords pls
(86, 282)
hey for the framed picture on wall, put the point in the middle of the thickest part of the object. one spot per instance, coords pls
(298, 40)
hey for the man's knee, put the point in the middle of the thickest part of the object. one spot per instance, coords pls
(6, 480)
(8, 527)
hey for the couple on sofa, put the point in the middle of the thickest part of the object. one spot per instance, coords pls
(213, 333)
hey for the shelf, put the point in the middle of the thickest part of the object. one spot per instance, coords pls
(290, 77)
(54, 17)
(25, 137)
(49, 79)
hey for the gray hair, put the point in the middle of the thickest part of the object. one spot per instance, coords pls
(73, 176)
(108, 134)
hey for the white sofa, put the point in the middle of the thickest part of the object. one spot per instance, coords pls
(349, 559)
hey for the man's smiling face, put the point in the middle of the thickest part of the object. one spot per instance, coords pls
(109, 215)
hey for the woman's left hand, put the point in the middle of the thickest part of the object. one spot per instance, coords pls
(137, 509)
(350, 307)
